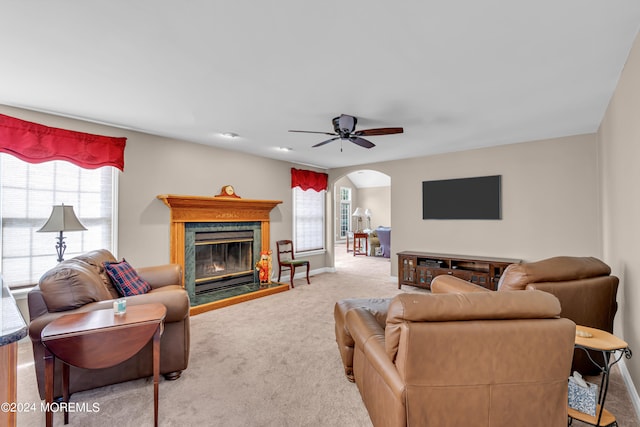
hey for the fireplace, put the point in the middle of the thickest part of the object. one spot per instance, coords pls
(223, 259)
(227, 234)
(219, 256)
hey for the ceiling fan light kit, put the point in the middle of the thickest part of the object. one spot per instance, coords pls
(344, 127)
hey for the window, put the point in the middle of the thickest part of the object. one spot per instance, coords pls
(28, 192)
(345, 211)
(308, 220)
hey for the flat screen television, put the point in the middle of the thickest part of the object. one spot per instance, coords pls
(462, 198)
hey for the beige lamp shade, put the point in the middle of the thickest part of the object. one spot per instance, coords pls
(62, 218)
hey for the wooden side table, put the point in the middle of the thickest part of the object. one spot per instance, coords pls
(609, 345)
(100, 339)
(357, 243)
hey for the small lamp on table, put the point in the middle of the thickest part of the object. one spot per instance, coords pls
(358, 215)
(62, 219)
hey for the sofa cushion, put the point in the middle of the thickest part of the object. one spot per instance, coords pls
(126, 279)
(96, 259)
(556, 269)
(70, 285)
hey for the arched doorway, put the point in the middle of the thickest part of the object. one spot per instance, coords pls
(367, 194)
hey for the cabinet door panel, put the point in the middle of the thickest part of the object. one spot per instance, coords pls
(426, 275)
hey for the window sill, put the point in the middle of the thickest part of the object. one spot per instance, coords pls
(311, 253)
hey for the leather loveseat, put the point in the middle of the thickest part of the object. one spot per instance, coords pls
(583, 285)
(483, 359)
(81, 284)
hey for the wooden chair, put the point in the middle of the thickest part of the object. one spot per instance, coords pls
(287, 260)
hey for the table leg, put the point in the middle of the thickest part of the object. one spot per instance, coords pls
(49, 361)
(65, 391)
(156, 372)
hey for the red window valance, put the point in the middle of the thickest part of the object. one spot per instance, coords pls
(308, 179)
(36, 143)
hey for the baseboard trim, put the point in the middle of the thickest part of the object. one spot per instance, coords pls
(633, 391)
(302, 273)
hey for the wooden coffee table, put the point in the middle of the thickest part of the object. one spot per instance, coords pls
(100, 339)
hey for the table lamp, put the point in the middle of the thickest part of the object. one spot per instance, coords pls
(358, 214)
(62, 219)
(368, 213)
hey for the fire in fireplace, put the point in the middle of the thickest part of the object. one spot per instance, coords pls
(223, 259)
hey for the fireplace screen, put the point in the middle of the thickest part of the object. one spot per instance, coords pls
(223, 259)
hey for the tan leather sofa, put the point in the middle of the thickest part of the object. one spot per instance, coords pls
(483, 359)
(81, 284)
(583, 285)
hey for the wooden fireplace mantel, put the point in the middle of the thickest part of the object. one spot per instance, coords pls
(206, 209)
(185, 209)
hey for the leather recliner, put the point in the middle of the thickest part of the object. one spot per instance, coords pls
(80, 284)
(487, 359)
(583, 285)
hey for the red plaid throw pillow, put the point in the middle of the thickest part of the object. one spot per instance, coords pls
(125, 278)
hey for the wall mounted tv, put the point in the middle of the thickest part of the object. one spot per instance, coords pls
(462, 198)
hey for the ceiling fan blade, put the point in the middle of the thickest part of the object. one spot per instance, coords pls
(361, 142)
(378, 131)
(326, 142)
(310, 131)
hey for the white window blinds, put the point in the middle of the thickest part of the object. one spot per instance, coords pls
(27, 195)
(308, 220)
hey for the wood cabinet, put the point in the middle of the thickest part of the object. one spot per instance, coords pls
(419, 268)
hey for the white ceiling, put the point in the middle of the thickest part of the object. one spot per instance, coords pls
(455, 74)
(366, 178)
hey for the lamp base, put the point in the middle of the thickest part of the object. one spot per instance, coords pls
(60, 247)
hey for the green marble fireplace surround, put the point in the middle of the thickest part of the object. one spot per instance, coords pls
(191, 229)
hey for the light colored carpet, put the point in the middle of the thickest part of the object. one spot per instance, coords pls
(267, 362)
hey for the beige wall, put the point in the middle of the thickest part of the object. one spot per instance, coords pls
(619, 139)
(550, 201)
(159, 166)
(378, 199)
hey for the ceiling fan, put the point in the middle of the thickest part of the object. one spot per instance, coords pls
(344, 127)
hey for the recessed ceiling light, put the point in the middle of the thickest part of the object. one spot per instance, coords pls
(285, 148)
(229, 135)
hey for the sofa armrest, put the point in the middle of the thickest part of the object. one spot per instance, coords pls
(447, 284)
(369, 337)
(173, 297)
(161, 275)
(35, 301)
